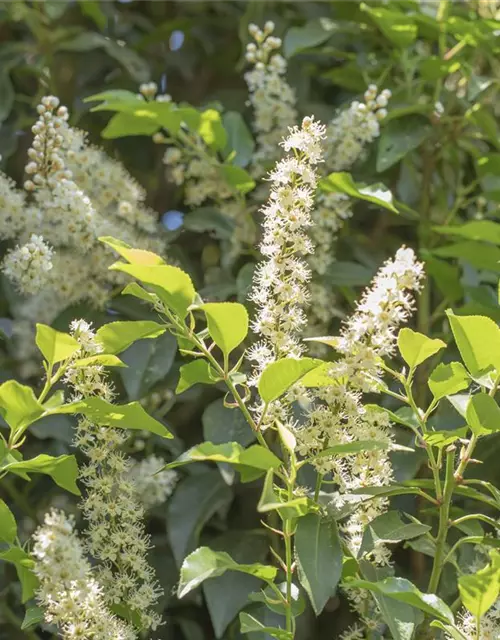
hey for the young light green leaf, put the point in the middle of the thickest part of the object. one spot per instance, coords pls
(8, 526)
(55, 346)
(120, 416)
(172, 285)
(134, 256)
(447, 379)
(389, 528)
(193, 373)
(480, 590)
(102, 359)
(18, 405)
(319, 558)
(404, 591)
(415, 348)
(211, 130)
(227, 324)
(204, 563)
(287, 438)
(115, 337)
(483, 414)
(478, 340)
(63, 469)
(24, 569)
(279, 376)
(251, 463)
(343, 183)
(441, 439)
(249, 624)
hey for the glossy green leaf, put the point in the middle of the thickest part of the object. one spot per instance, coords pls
(24, 568)
(239, 138)
(478, 340)
(447, 379)
(478, 254)
(134, 256)
(115, 337)
(55, 346)
(480, 590)
(416, 348)
(249, 624)
(204, 563)
(8, 526)
(389, 528)
(252, 462)
(279, 376)
(446, 276)
(18, 405)
(237, 178)
(227, 324)
(400, 137)
(319, 558)
(63, 469)
(172, 285)
(404, 591)
(397, 27)
(313, 33)
(483, 414)
(343, 183)
(483, 230)
(33, 617)
(119, 416)
(195, 372)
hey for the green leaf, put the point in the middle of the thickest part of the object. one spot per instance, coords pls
(8, 526)
(395, 25)
(149, 361)
(227, 324)
(239, 138)
(450, 629)
(399, 137)
(91, 9)
(319, 558)
(404, 591)
(134, 256)
(237, 178)
(447, 379)
(271, 501)
(119, 416)
(122, 125)
(343, 183)
(279, 376)
(483, 414)
(195, 500)
(195, 372)
(478, 254)
(204, 563)
(482, 230)
(24, 569)
(102, 359)
(478, 340)
(211, 130)
(63, 469)
(441, 439)
(313, 33)
(251, 463)
(33, 615)
(18, 405)
(172, 285)
(389, 528)
(54, 345)
(446, 277)
(212, 220)
(416, 348)
(115, 337)
(249, 624)
(480, 590)
(228, 594)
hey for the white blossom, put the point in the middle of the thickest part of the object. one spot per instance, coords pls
(153, 486)
(28, 266)
(69, 593)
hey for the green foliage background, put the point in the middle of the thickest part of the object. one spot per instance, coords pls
(443, 169)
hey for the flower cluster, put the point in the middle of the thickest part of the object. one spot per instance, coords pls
(153, 486)
(490, 624)
(69, 593)
(271, 97)
(280, 282)
(116, 534)
(28, 266)
(76, 194)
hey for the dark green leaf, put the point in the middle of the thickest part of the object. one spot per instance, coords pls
(343, 183)
(400, 137)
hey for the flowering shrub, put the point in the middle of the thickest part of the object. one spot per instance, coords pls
(286, 427)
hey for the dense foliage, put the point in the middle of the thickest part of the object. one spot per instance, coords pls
(249, 309)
